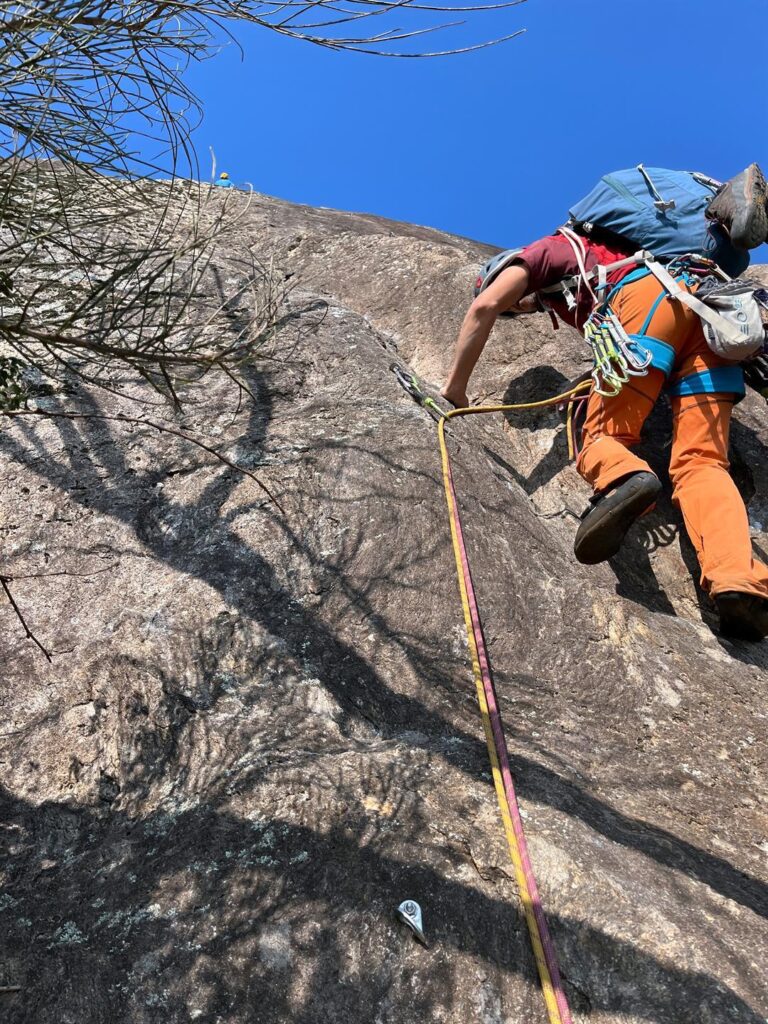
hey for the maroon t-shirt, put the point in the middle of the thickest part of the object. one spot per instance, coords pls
(551, 259)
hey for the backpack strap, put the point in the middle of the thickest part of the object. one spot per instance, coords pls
(602, 280)
(641, 256)
(599, 273)
(580, 252)
(702, 310)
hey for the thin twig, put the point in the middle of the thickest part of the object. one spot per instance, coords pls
(63, 572)
(4, 583)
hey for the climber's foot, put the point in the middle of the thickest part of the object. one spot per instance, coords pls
(742, 616)
(741, 206)
(605, 524)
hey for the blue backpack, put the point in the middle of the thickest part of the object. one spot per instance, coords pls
(662, 211)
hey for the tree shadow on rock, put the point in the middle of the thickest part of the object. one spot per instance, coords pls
(250, 583)
(203, 914)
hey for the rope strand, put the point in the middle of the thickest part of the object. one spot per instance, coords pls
(498, 752)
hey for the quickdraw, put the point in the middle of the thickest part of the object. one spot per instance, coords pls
(617, 357)
(498, 751)
(409, 382)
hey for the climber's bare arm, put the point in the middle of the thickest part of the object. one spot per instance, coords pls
(503, 295)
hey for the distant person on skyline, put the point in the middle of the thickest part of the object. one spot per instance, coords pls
(223, 181)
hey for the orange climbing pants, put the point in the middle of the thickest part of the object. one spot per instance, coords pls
(712, 508)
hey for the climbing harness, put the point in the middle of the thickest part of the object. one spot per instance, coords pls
(498, 752)
(730, 317)
(733, 330)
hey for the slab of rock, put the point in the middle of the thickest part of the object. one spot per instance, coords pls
(258, 733)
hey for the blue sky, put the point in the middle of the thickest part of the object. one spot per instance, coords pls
(496, 144)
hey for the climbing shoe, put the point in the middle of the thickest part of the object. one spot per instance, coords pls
(605, 523)
(742, 616)
(741, 206)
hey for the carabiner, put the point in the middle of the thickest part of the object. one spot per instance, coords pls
(599, 385)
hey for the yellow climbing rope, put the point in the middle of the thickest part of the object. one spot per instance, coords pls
(543, 948)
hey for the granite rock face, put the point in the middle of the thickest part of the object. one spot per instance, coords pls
(258, 733)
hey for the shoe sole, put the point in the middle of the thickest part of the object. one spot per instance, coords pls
(752, 224)
(749, 225)
(601, 534)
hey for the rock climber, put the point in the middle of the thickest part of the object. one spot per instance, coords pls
(703, 389)
(223, 181)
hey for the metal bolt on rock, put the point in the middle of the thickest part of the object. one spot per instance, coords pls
(409, 912)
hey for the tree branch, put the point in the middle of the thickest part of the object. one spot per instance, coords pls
(4, 581)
